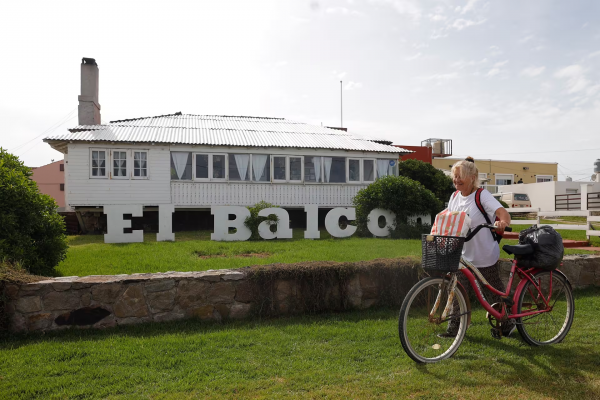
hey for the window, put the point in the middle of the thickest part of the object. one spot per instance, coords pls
(544, 178)
(239, 167)
(353, 170)
(279, 168)
(98, 164)
(181, 166)
(504, 179)
(334, 169)
(201, 166)
(140, 164)
(384, 168)
(312, 169)
(261, 170)
(219, 167)
(295, 169)
(119, 161)
(62, 186)
(368, 170)
(62, 167)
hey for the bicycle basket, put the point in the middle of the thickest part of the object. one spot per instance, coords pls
(441, 253)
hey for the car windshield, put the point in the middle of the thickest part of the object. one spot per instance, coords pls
(521, 197)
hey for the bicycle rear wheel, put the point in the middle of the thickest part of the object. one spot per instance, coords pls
(551, 326)
(420, 322)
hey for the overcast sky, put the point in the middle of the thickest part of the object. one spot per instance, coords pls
(510, 79)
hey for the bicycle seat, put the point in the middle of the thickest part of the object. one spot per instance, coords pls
(518, 249)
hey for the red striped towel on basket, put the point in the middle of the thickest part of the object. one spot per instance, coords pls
(451, 223)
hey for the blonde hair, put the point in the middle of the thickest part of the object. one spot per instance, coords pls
(466, 169)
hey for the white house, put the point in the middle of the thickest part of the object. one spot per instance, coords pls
(557, 196)
(199, 161)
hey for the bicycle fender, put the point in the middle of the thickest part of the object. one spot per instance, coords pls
(525, 281)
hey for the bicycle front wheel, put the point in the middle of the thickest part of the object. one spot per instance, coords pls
(552, 325)
(422, 330)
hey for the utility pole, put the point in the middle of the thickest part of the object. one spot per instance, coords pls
(341, 106)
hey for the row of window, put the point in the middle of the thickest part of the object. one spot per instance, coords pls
(119, 164)
(275, 168)
(187, 166)
(508, 179)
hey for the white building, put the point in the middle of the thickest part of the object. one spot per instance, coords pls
(199, 161)
(557, 196)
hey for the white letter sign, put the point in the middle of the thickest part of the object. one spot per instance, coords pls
(283, 225)
(165, 223)
(373, 222)
(115, 224)
(332, 222)
(222, 223)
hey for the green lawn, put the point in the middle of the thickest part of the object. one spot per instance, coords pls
(348, 355)
(194, 251)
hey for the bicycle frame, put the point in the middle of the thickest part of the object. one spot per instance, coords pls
(474, 276)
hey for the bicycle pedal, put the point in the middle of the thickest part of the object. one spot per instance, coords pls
(496, 333)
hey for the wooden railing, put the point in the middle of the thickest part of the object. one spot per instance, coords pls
(593, 201)
(567, 202)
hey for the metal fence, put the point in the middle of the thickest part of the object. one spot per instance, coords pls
(593, 201)
(567, 202)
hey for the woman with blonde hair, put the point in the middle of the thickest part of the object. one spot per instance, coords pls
(483, 250)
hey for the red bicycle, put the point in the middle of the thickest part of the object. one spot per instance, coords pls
(542, 305)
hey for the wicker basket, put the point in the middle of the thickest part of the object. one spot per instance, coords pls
(441, 253)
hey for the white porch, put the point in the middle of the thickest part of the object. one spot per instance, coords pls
(207, 194)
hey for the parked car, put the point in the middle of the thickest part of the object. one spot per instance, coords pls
(514, 199)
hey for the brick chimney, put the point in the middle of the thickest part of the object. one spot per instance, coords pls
(89, 108)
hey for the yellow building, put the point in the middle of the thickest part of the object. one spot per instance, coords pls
(501, 172)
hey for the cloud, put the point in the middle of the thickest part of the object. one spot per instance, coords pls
(501, 64)
(342, 11)
(440, 78)
(495, 51)
(339, 75)
(575, 76)
(533, 71)
(468, 7)
(493, 72)
(437, 17)
(353, 85)
(411, 58)
(461, 23)
(526, 39)
(404, 7)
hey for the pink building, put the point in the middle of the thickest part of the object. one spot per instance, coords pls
(51, 181)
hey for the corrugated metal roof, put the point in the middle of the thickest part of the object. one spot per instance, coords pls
(224, 131)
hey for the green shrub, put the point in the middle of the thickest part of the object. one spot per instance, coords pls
(254, 220)
(32, 233)
(429, 176)
(404, 197)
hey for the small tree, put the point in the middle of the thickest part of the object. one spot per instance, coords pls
(254, 220)
(401, 195)
(32, 233)
(429, 176)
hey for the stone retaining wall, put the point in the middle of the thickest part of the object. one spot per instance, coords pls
(108, 301)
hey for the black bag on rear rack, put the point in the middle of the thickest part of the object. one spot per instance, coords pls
(547, 245)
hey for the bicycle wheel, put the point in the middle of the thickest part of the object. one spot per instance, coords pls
(551, 326)
(420, 322)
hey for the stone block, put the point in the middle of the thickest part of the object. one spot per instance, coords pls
(159, 285)
(233, 276)
(31, 287)
(132, 320)
(221, 292)
(203, 312)
(211, 276)
(240, 311)
(61, 301)
(11, 291)
(28, 304)
(61, 286)
(39, 322)
(368, 303)
(368, 286)
(586, 276)
(223, 310)
(17, 323)
(191, 293)
(81, 285)
(354, 292)
(108, 322)
(161, 301)
(131, 303)
(86, 299)
(168, 316)
(106, 293)
(244, 292)
(283, 290)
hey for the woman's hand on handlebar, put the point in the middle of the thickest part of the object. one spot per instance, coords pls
(500, 226)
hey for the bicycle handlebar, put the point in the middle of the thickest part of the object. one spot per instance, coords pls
(490, 227)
